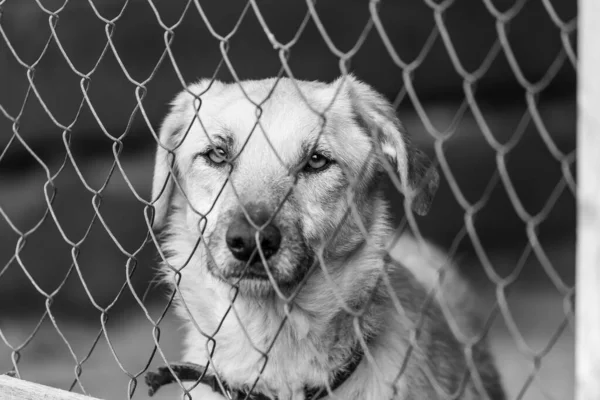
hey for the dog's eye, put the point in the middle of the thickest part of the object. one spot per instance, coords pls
(216, 155)
(317, 162)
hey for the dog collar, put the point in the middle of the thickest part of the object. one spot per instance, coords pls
(195, 372)
(341, 376)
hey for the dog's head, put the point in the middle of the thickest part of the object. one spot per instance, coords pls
(268, 197)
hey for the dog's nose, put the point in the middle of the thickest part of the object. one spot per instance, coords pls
(241, 235)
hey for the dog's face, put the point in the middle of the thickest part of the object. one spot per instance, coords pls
(270, 198)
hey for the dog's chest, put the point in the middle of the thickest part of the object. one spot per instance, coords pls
(251, 345)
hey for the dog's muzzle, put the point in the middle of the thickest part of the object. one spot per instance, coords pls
(241, 239)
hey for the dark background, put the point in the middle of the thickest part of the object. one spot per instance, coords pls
(139, 41)
(32, 142)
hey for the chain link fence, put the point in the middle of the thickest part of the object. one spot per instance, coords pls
(81, 308)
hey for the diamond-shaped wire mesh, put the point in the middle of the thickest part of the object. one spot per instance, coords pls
(487, 86)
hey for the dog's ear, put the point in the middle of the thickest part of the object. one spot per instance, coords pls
(163, 184)
(174, 130)
(375, 114)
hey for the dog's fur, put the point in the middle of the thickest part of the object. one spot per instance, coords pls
(411, 351)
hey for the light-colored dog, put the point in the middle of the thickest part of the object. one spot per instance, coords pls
(320, 304)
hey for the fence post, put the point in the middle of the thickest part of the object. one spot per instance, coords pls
(17, 389)
(588, 204)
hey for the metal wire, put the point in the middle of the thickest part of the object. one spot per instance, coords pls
(408, 93)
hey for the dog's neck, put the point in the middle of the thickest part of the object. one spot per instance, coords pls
(313, 340)
(330, 344)
(341, 375)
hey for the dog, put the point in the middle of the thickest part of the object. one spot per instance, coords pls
(278, 247)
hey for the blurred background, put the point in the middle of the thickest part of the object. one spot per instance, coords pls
(72, 135)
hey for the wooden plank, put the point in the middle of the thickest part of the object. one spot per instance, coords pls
(19, 389)
(588, 210)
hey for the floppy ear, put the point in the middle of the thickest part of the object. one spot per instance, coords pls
(376, 115)
(173, 131)
(165, 168)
